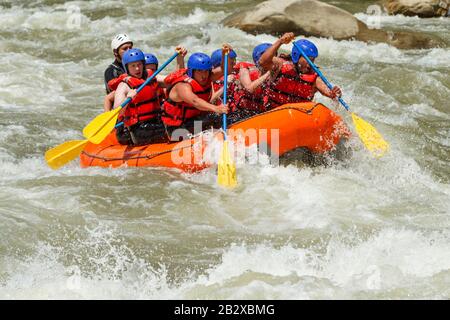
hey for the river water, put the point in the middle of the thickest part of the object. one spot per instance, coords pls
(361, 228)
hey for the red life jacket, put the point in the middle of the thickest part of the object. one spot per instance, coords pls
(218, 84)
(232, 87)
(161, 91)
(145, 105)
(290, 87)
(242, 98)
(242, 64)
(114, 83)
(238, 97)
(177, 113)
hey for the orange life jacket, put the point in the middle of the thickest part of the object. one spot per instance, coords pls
(290, 87)
(145, 105)
(177, 113)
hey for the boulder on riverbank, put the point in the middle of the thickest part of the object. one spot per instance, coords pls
(318, 19)
(421, 8)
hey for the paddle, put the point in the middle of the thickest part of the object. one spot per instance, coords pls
(66, 152)
(96, 131)
(370, 137)
(99, 128)
(226, 170)
(63, 153)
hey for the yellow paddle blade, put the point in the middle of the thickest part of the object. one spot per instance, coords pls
(370, 137)
(98, 129)
(226, 174)
(64, 153)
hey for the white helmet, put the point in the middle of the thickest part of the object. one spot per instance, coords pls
(119, 40)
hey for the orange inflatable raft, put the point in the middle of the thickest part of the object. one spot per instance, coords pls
(309, 125)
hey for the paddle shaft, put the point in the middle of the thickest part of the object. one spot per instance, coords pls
(225, 85)
(150, 78)
(226, 170)
(329, 85)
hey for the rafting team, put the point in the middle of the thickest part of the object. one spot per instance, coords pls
(194, 93)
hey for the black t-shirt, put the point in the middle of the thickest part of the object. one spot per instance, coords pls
(114, 70)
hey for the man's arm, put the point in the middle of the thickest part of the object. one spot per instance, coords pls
(218, 72)
(323, 89)
(183, 92)
(108, 101)
(182, 51)
(160, 79)
(216, 95)
(247, 83)
(267, 59)
(121, 94)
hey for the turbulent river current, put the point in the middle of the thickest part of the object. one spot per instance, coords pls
(359, 228)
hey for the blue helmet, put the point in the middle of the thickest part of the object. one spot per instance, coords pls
(216, 57)
(259, 50)
(198, 61)
(308, 48)
(132, 55)
(151, 59)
